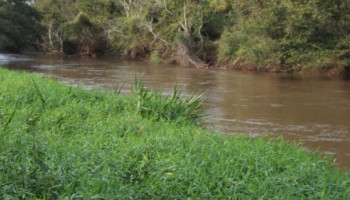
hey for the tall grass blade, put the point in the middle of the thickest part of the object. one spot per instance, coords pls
(43, 100)
(9, 119)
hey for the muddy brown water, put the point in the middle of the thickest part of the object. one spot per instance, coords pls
(314, 111)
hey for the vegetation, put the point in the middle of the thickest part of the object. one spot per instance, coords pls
(288, 35)
(61, 142)
(20, 27)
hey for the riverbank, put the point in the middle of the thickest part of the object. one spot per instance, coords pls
(332, 71)
(58, 141)
(329, 72)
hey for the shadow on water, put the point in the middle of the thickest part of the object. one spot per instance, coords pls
(346, 74)
(315, 111)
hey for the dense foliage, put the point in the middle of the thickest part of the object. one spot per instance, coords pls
(75, 27)
(276, 35)
(61, 142)
(20, 27)
(288, 35)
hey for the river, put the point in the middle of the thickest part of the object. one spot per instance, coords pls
(313, 110)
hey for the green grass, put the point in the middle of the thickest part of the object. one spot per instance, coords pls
(61, 142)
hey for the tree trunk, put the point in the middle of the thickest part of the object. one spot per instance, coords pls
(186, 58)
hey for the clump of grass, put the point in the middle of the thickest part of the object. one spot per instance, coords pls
(174, 108)
(58, 142)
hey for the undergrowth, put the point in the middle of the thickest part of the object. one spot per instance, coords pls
(61, 142)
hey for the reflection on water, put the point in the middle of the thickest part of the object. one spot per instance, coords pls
(7, 58)
(315, 111)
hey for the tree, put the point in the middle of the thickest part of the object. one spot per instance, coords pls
(19, 26)
(76, 27)
(288, 35)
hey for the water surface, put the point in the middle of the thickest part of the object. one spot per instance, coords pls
(315, 111)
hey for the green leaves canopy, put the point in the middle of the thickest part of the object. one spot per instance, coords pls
(19, 26)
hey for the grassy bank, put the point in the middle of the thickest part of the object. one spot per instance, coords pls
(61, 142)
